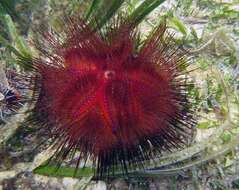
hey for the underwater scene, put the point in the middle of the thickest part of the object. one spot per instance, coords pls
(119, 94)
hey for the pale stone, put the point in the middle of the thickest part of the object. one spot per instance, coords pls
(21, 167)
(203, 134)
(42, 157)
(100, 185)
(9, 129)
(52, 181)
(7, 174)
(120, 184)
(235, 7)
(1, 96)
(3, 79)
(70, 183)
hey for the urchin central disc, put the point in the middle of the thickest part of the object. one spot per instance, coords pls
(109, 74)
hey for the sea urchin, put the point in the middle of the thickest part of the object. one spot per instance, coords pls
(114, 98)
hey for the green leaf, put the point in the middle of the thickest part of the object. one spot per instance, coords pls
(143, 10)
(194, 33)
(23, 61)
(94, 6)
(7, 45)
(16, 38)
(115, 5)
(18, 45)
(63, 171)
(226, 137)
(131, 5)
(8, 7)
(235, 184)
(85, 174)
(102, 11)
(204, 125)
(174, 22)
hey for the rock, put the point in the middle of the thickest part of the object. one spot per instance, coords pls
(119, 184)
(4, 82)
(14, 122)
(203, 134)
(1, 96)
(21, 167)
(42, 157)
(100, 185)
(52, 183)
(7, 174)
(70, 183)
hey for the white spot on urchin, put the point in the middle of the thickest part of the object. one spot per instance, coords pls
(109, 74)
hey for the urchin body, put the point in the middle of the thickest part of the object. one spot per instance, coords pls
(115, 100)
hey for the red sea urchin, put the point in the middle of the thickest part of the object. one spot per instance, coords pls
(115, 99)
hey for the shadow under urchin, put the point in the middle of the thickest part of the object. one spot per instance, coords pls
(109, 96)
